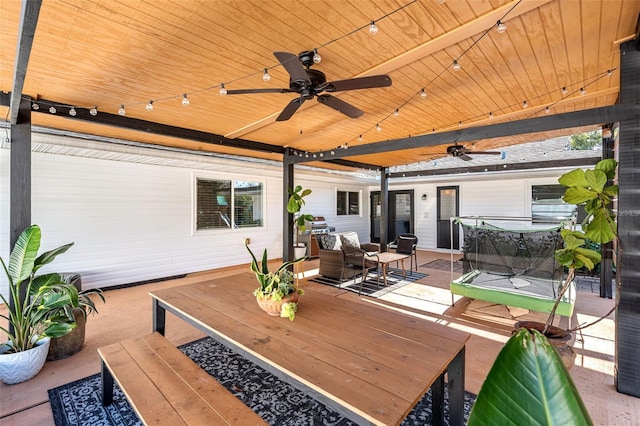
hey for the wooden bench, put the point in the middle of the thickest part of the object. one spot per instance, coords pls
(164, 386)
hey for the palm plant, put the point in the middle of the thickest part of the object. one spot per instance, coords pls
(42, 311)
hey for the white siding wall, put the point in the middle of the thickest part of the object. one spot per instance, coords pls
(133, 222)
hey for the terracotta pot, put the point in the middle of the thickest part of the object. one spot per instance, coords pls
(21, 366)
(69, 344)
(273, 307)
(558, 338)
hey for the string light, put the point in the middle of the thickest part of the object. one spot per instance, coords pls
(52, 109)
(185, 100)
(547, 110)
(423, 93)
(490, 115)
(360, 138)
(121, 111)
(525, 104)
(609, 73)
(94, 111)
(456, 65)
(316, 57)
(223, 91)
(583, 91)
(564, 90)
(72, 112)
(373, 28)
(149, 106)
(35, 106)
(378, 128)
(501, 27)
(265, 75)
(396, 112)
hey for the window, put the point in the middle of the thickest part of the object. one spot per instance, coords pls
(547, 205)
(215, 199)
(348, 203)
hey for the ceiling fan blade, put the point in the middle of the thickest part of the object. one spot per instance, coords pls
(292, 64)
(465, 157)
(248, 91)
(485, 152)
(290, 109)
(358, 83)
(340, 106)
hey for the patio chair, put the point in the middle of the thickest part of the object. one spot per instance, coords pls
(340, 260)
(406, 244)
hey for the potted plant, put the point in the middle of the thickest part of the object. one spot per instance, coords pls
(79, 309)
(296, 201)
(276, 293)
(529, 383)
(39, 315)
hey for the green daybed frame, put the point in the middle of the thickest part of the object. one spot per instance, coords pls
(512, 266)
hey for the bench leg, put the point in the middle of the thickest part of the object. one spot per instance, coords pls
(107, 384)
(159, 314)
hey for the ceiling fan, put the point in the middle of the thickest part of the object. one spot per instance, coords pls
(461, 152)
(310, 83)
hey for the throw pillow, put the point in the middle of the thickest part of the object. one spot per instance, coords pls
(350, 239)
(328, 242)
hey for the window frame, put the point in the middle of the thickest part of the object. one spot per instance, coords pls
(348, 193)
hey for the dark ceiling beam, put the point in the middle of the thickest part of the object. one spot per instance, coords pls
(568, 120)
(28, 20)
(507, 167)
(136, 124)
(354, 164)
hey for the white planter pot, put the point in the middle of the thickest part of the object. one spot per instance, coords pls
(21, 366)
(299, 251)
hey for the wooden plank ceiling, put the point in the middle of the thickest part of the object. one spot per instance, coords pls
(108, 53)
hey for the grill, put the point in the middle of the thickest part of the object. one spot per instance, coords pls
(312, 228)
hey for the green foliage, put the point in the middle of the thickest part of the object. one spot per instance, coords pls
(528, 384)
(43, 312)
(585, 141)
(294, 205)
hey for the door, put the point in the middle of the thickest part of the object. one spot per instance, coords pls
(448, 207)
(400, 214)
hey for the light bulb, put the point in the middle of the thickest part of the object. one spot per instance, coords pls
(360, 138)
(333, 152)
(501, 27)
(583, 91)
(149, 106)
(373, 28)
(185, 100)
(52, 109)
(35, 106)
(609, 73)
(456, 65)
(490, 115)
(564, 90)
(441, 1)
(396, 112)
(547, 110)
(94, 111)
(223, 91)
(459, 123)
(378, 128)
(316, 57)
(121, 111)
(72, 112)
(265, 75)
(423, 93)
(525, 104)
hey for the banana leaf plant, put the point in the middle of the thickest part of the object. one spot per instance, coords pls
(43, 309)
(528, 385)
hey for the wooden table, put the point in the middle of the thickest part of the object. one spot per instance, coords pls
(385, 258)
(369, 363)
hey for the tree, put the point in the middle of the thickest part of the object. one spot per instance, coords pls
(585, 141)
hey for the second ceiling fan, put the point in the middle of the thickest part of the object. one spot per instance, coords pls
(460, 151)
(310, 83)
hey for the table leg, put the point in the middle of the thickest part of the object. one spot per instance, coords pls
(404, 271)
(437, 401)
(106, 385)
(159, 314)
(384, 273)
(455, 380)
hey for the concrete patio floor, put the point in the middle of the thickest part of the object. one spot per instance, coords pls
(127, 313)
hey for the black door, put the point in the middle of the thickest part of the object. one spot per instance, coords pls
(447, 208)
(400, 214)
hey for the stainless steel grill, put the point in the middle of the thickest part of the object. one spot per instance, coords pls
(318, 226)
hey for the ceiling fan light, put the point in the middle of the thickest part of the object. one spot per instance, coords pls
(122, 111)
(223, 91)
(72, 112)
(501, 26)
(316, 57)
(373, 28)
(149, 106)
(185, 100)
(94, 111)
(456, 65)
(265, 75)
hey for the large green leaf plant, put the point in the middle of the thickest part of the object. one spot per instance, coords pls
(295, 204)
(529, 383)
(44, 309)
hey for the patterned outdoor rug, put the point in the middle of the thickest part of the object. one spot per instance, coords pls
(443, 265)
(371, 286)
(279, 403)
